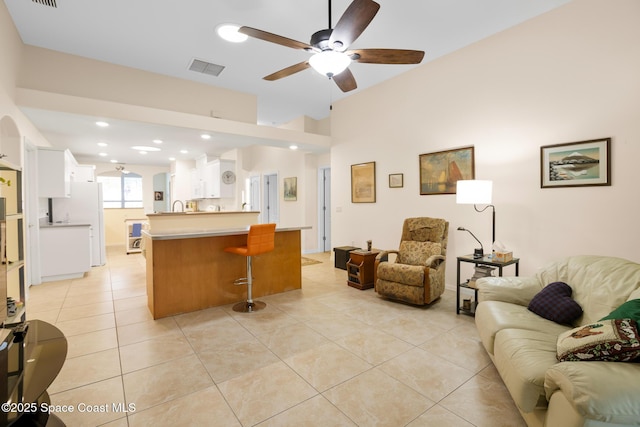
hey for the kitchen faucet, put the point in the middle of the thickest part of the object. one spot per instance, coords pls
(173, 207)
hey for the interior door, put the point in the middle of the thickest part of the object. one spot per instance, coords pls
(324, 207)
(30, 179)
(254, 193)
(270, 204)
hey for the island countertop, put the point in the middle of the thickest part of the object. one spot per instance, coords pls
(196, 222)
(190, 270)
(192, 234)
(203, 213)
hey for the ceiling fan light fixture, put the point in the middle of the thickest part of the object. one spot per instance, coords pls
(229, 32)
(329, 63)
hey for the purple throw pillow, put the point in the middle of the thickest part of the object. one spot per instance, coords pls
(554, 303)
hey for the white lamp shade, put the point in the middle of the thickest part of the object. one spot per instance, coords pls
(474, 192)
(329, 63)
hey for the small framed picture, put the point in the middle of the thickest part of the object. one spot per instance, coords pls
(291, 189)
(158, 196)
(583, 163)
(396, 180)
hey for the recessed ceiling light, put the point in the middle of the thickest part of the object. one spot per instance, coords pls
(102, 154)
(293, 147)
(102, 124)
(205, 136)
(114, 161)
(102, 144)
(157, 141)
(172, 158)
(144, 148)
(229, 32)
(184, 151)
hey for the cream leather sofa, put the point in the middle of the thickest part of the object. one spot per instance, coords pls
(522, 345)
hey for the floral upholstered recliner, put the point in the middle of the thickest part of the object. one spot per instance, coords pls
(417, 275)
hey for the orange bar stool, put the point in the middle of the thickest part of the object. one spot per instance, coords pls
(260, 240)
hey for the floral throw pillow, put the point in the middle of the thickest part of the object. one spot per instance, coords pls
(613, 340)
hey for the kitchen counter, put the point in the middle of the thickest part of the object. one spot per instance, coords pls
(185, 222)
(210, 233)
(189, 270)
(62, 224)
(202, 213)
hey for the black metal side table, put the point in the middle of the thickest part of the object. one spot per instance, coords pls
(486, 260)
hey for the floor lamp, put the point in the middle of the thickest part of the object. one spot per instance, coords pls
(477, 192)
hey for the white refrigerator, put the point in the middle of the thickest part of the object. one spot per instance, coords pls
(85, 207)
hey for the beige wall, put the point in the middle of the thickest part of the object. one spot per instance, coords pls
(55, 72)
(568, 75)
(114, 227)
(11, 48)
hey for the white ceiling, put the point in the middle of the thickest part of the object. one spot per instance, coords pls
(165, 36)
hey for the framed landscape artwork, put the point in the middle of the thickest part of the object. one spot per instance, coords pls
(440, 171)
(363, 183)
(291, 189)
(583, 163)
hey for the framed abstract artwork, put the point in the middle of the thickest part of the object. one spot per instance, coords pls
(583, 163)
(440, 171)
(363, 183)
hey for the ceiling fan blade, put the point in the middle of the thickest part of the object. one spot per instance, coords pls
(288, 71)
(352, 23)
(386, 56)
(274, 38)
(345, 81)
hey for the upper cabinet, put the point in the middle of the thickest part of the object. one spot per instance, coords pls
(219, 178)
(56, 169)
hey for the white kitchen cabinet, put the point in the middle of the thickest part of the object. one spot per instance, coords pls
(219, 179)
(55, 172)
(84, 173)
(197, 184)
(65, 251)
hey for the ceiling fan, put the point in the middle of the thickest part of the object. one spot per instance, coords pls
(329, 47)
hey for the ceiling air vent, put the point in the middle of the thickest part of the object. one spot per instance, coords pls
(206, 67)
(51, 3)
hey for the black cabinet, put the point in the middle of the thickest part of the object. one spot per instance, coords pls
(469, 306)
(342, 256)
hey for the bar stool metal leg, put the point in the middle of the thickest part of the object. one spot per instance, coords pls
(249, 305)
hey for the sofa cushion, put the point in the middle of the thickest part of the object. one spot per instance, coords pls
(614, 340)
(412, 275)
(628, 310)
(416, 253)
(554, 302)
(602, 391)
(600, 284)
(522, 357)
(494, 316)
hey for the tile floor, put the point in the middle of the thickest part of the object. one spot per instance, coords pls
(327, 355)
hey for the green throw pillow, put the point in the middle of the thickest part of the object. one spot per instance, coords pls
(628, 310)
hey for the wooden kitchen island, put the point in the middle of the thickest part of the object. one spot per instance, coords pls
(189, 271)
